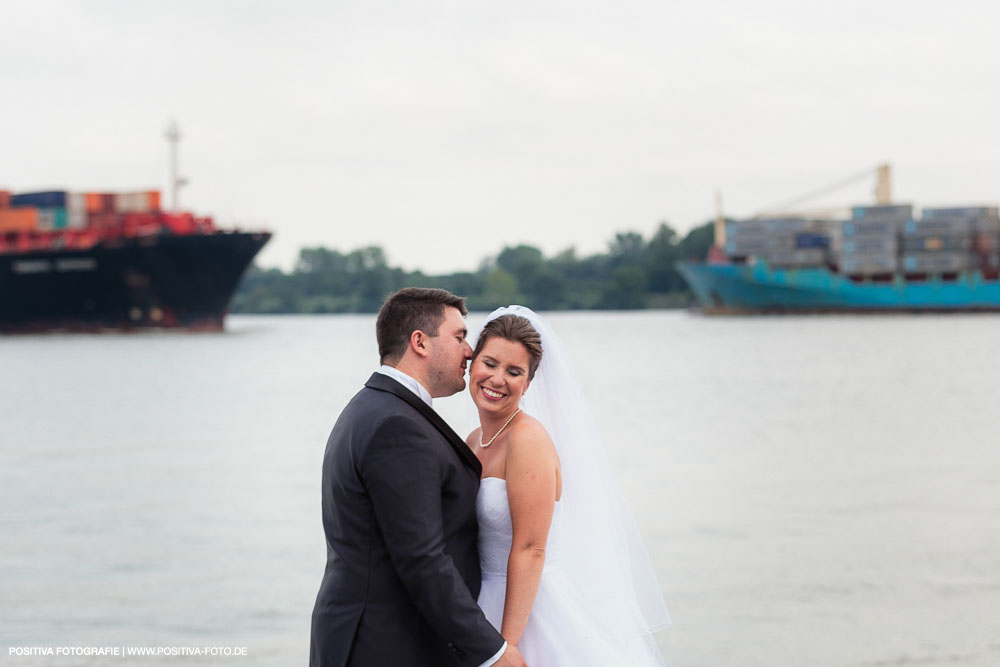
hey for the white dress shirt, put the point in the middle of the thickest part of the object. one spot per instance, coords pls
(408, 382)
(419, 389)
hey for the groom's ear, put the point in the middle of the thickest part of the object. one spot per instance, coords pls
(419, 343)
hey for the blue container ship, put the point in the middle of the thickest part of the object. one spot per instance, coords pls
(757, 287)
(880, 258)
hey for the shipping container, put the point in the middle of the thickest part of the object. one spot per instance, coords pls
(936, 243)
(20, 219)
(869, 265)
(99, 202)
(46, 219)
(936, 262)
(184, 223)
(103, 220)
(759, 243)
(52, 219)
(93, 202)
(894, 212)
(986, 242)
(964, 212)
(870, 245)
(806, 240)
(938, 226)
(986, 225)
(137, 202)
(772, 226)
(989, 260)
(809, 257)
(48, 199)
(741, 227)
(790, 225)
(76, 219)
(871, 227)
(4, 198)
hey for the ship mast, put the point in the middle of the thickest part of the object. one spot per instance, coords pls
(176, 181)
(720, 222)
(883, 184)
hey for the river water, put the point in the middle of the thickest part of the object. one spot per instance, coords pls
(819, 491)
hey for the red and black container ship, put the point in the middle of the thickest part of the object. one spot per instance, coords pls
(99, 261)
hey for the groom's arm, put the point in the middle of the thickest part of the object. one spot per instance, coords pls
(402, 474)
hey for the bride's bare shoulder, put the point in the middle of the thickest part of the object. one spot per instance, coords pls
(529, 437)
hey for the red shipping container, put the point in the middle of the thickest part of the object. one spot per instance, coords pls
(20, 219)
(102, 220)
(987, 242)
(180, 223)
(4, 198)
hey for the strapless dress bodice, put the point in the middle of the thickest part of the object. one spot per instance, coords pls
(496, 531)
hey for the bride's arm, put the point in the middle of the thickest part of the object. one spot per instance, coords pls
(531, 493)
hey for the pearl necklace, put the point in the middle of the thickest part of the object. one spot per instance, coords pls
(484, 445)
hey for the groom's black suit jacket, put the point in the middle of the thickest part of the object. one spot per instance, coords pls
(399, 512)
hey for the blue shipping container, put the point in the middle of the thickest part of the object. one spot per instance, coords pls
(51, 199)
(811, 241)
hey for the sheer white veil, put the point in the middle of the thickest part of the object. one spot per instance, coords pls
(599, 544)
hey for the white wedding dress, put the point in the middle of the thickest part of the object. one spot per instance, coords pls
(560, 632)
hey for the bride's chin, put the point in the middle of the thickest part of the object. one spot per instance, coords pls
(486, 405)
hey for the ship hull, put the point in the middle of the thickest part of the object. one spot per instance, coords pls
(758, 288)
(156, 281)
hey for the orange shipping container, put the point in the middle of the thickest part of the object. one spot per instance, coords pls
(154, 200)
(4, 198)
(22, 219)
(99, 202)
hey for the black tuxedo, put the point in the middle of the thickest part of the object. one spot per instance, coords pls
(399, 512)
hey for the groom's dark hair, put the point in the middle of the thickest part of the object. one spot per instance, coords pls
(408, 310)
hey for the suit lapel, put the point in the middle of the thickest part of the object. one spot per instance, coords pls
(381, 382)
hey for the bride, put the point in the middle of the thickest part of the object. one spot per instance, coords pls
(566, 577)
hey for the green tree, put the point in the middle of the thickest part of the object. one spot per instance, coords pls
(501, 289)
(626, 249)
(627, 289)
(540, 285)
(659, 258)
(697, 242)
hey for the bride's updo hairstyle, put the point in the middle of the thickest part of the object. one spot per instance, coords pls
(516, 329)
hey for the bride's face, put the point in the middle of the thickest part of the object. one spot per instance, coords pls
(499, 375)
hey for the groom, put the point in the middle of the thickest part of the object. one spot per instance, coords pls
(399, 507)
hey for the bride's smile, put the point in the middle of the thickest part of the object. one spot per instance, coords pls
(495, 395)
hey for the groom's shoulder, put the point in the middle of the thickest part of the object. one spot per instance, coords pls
(380, 400)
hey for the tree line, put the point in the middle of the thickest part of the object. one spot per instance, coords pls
(634, 273)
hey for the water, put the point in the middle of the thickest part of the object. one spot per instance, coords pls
(816, 490)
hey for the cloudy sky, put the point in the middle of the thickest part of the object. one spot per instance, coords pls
(444, 130)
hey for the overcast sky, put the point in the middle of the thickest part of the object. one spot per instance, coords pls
(444, 130)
